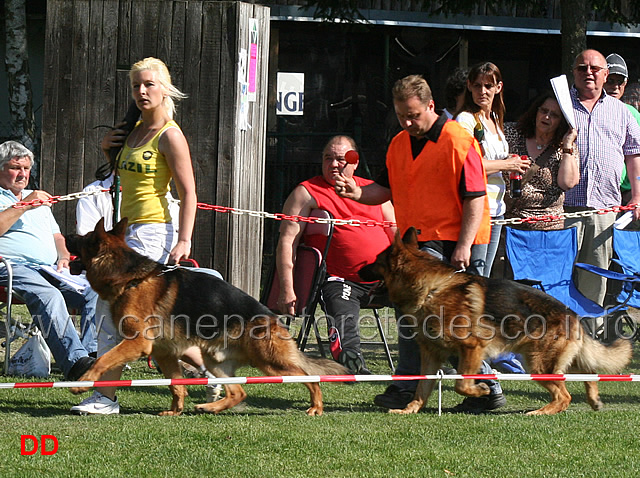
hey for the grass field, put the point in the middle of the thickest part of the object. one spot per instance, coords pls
(270, 435)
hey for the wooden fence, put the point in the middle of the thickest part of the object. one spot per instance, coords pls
(90, 46)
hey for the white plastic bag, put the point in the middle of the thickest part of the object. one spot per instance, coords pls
(33, 359)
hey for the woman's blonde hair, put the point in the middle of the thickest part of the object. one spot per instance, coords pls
(173, 94)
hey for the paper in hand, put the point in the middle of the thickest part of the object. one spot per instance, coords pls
(560, 87)
(78, 282)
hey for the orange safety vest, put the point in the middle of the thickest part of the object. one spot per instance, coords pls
(426, 190)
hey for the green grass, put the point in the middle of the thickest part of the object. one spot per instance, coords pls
(270, 435)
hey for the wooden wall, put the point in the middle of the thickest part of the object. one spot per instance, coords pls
(91, 44)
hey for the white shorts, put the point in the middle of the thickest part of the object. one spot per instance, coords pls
(154, 241)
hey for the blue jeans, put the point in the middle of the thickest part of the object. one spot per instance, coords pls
(48, 301)
(409, 351)
(483, 255)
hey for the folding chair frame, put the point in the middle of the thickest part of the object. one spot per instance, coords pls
(13, 329)
(612, 318)
(306, 308)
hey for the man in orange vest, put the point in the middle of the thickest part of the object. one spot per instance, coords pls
(434, 175)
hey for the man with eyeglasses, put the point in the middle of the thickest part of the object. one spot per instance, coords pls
(615, 86)
(608, 138)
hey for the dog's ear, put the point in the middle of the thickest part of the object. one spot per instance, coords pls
(99, 229)
(410, 237)
(398, 240)
(120, 228)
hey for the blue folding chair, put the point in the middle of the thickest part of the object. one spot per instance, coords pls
(545, 259)
(626, 245)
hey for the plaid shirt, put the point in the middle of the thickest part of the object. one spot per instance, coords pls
(605, 136)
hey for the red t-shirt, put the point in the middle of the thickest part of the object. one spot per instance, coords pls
(352, 247)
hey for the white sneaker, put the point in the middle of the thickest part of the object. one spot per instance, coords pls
(214, 393)
(97, 404)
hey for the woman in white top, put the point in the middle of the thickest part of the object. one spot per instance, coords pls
(482, 114)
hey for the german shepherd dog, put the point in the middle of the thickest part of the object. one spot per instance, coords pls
(473, 317)
(163, 311)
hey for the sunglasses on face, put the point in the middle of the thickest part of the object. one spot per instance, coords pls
(582, 68)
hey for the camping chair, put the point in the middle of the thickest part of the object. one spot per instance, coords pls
(13, 330)
(626, 245)
(545, 259)
(308, 275)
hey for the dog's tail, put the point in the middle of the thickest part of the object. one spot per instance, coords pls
(595, 357)
(321, 366)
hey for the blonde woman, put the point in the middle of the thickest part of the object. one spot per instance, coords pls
(154, 153)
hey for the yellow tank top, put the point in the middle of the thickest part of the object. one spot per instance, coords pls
(145, 176)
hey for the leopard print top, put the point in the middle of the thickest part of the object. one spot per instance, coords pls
(541, 195)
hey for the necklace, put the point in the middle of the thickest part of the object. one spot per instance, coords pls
(540, 145)
(143, 140)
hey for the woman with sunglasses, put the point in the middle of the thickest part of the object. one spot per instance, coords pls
(543, 135)
(482, 114)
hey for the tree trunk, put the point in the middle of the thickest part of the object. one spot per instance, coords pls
(18, 77)
(575, 15)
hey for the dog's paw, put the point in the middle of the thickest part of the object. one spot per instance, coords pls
(314, 411)
(170, 413)
(78, 390)
(534, 413)
(597, 405)
(402, 411)
(413, 407)
(208, 408)
(483, 388)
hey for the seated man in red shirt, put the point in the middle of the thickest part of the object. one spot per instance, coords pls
(351, 249)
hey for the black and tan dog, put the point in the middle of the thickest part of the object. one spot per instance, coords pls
(162, 312)
(473, 317)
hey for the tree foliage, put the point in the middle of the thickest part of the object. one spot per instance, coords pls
(18, 77)
(575, 15)
(625, 12)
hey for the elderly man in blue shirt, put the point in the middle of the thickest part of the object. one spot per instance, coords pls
(608, 138)
(30, 238)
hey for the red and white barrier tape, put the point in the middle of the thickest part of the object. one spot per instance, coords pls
(337, 222)
(325, 378)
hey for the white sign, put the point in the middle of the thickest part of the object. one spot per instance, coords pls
(290, 95)
(561, 89)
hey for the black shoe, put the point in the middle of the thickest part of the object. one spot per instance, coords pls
(79, 368)
(477, 405)
(353, 360)
(394, 398)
